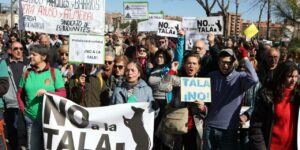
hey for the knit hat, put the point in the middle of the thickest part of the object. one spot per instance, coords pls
(227, 52)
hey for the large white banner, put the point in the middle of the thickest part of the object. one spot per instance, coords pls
(168, 28)
(135, 10)
(67, 125)
(204, 25)
(86, 49)
(148, 25)
(62, 17)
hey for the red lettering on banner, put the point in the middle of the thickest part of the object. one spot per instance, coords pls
(28, 8)
(48, 11)
(77, 15)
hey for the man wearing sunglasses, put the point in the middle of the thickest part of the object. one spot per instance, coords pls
(16, 63)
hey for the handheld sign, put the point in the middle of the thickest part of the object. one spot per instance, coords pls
(86, 49)
(156, 15)
(62, 17)
(251, 31)
(67, 125)
(148, 25)
(204, 25)
(168, 28)
(191, 37)
(135, 10)
(195, 89)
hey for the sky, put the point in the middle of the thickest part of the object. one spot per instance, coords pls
(185, 8)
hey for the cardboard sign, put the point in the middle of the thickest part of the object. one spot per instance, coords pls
(251, 31)
(67, 125)
(158, 15)
(86, 49)
(204, 25)
(62, 17)
(192, 36)
(195, 89)
(148, 25)
(168, 28)
(135, 10)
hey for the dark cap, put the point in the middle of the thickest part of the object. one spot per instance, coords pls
(227, 52)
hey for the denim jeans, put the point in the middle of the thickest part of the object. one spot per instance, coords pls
(34, 134)
(218, 139)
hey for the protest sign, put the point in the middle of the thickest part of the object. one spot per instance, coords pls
(62, 17)
(251, 31)
(195, 89)
(204, 25)
(135, 10)
(67, 125)
(247, 123)
(168, 28)
(192, 36)
(148, 25)
(86, 49)
(157, 15)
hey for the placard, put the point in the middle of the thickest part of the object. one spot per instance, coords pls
(135, 10)
(168, 28)
(195, 89)
(148, 25)
(251, 31)
(204, 25)
(157, 15)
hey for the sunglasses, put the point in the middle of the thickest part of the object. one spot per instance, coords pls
(18, 48)
(229, 63)
(108, 62)
(119, 67)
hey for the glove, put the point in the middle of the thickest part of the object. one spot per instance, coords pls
(243, 51)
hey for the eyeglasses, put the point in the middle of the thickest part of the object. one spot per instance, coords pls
(108, 62)
(119, 67)
(16, 48)
(229, 63)
(142, 50)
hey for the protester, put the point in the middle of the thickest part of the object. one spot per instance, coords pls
(274, 120)
(35, 82)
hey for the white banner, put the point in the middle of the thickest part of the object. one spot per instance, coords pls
(192, 36)
(156, 16)
(67, 125)
(204, 25)
(86, 49)
(195, 89)
(148, 25)
(135, 10)
(62, 17)
(168, 28)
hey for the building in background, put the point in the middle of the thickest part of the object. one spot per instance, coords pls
(276, 29)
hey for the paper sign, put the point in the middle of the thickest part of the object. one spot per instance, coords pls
(195, 89)
(156, 15)
(251, 31)
(86, 49)
(168, 28)
(62, 17)
(247, 124)
(191, 37)
(67, 125)
(148, 25)
(204, 25)
(135, 10)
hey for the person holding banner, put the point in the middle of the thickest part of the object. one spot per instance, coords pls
(196, 110)
(135, 89)
(35, 82)
(274, 120)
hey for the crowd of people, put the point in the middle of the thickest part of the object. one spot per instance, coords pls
(143, 67)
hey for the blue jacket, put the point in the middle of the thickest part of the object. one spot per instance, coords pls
(142, 92)
(227, 94)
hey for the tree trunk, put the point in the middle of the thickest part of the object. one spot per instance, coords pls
(268, 19)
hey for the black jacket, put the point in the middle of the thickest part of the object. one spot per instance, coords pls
(262, 121)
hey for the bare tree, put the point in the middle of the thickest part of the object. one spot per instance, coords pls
(224, 10)
(206, 6)
(262, 6)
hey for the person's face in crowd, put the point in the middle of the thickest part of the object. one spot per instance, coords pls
(148, 44)
(162, 43)
(44, 41)
(211, 37)
(229, 43)
(17, 51)
(142, 52)
(64, 56)
(191, 66)
(292, 79)
(55, 37)
(109, 63)
(199, 47)
(272, 59)
(226, 64)
(36, 58)
(13, 39)
(283, 54)
(132, 73)
(160, 59)
(119, 68)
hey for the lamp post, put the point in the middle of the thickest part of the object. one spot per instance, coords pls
(237, 2)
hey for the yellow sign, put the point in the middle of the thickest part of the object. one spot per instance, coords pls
(251, 31)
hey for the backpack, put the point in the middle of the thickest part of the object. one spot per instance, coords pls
(52, 70)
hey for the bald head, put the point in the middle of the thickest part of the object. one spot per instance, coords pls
(199, 46)
(44, 39)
